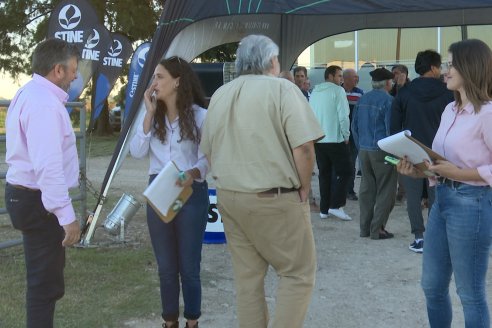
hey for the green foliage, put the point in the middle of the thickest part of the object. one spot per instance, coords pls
(24, 23)
(222, 53)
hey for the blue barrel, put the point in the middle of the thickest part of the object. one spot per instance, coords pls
(214, 232)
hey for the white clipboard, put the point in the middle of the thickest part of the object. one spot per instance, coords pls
(165, 197)
(403, 144)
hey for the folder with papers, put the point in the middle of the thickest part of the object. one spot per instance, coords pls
(403, 144)
(165, 197)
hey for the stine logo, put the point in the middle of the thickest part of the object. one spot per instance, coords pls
(114, 51)
(142, 56)
(69, 18)
(90, 44)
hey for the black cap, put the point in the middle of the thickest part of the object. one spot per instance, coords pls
(381, 74)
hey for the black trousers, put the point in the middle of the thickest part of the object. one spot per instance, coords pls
(331, 156)
(353, 157)
(43, 251)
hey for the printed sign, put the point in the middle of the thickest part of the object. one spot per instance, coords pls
(136, 67)
(109, 69)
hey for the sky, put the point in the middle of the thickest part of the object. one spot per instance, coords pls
(8, 87)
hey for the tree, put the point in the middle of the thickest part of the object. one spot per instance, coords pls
(24, 23)
(223, 53)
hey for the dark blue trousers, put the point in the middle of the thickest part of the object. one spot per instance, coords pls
(178, 250)
(43, 251)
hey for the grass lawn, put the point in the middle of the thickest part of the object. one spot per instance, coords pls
(100, 146)
(104, 287)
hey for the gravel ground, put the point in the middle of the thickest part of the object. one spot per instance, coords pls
(359, 282)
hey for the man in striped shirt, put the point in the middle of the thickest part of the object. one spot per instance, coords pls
(350, 80)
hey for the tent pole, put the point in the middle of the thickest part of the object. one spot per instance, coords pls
(398, 43)
(92, 220)
(464, 32)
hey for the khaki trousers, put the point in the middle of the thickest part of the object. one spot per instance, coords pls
(263, 230)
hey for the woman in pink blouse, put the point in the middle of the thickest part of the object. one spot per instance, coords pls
(459, 228)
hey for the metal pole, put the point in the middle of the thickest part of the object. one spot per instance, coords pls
(10, 243)
(83, 163)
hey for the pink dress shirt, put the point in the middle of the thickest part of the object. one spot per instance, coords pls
(465, 139)
(41, 146)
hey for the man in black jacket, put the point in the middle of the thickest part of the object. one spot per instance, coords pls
(418, 107)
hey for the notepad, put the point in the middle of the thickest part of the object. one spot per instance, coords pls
(165, 197)
(403, 144)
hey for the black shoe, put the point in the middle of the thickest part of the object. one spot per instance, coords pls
(417, 246)
(390, 235)
(352, 196)
(384, 235)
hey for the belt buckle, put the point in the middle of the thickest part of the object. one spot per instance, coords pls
(448, 182)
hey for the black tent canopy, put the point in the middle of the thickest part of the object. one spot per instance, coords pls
(189, 27)
(192, 27)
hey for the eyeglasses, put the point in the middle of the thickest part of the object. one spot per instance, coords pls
(446, 66)
(175, 58)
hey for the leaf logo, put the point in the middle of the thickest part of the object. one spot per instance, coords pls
(69, 17)
(142, 56)
(93, 39)
(115, 49)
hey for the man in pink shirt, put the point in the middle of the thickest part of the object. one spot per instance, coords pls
(42, 166)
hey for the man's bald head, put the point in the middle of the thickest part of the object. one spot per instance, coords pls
(349, 79)
(287, 75)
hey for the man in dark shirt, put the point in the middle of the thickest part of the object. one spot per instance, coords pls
(300, 77)
(400, 73)
(418, 107)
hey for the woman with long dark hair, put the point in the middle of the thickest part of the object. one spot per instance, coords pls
(459, 228)
(171, 131)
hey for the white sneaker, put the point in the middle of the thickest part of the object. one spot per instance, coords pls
(339, 213)
(323, 215)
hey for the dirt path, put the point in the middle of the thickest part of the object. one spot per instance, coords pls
(359, 283)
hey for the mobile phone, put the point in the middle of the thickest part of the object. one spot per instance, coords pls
(391, 160)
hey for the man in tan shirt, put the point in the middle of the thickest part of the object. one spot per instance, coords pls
(258, 137)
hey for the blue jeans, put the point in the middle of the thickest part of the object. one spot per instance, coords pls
(42, 236)
(178, 250)
(457, 240)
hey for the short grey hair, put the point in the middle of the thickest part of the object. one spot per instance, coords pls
(51, 52)
(378, 85)
(347, 71)
(254, 55)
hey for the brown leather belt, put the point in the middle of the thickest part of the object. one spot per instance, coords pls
(21, 187)
(278, 190)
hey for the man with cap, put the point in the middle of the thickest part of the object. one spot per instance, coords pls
(370, 123)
